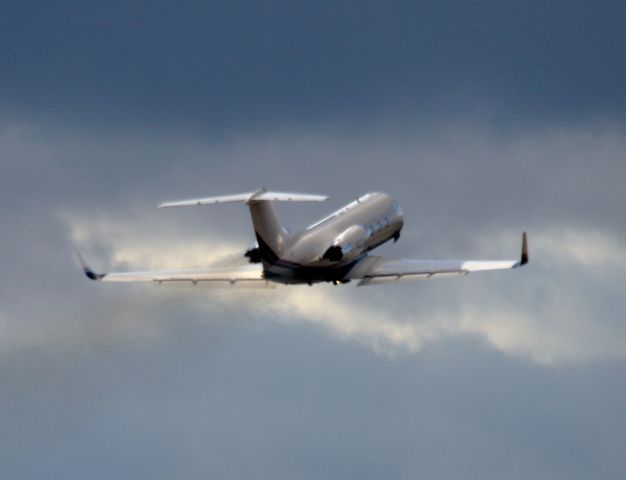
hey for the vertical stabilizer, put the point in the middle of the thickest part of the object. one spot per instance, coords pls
(270, 235)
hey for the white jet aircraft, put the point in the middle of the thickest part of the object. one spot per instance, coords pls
(333, 249)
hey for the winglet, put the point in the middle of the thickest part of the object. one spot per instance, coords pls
(88, 271)
(524, 258)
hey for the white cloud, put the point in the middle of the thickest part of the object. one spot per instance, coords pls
(591, 249)
(331, 309)
(131, 243)
(566, 306)
(540, 312)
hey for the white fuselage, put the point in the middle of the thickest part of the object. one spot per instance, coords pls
(327, 249)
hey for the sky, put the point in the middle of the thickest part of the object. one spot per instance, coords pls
(484, 119)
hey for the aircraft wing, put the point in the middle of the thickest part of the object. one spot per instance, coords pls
(372, 270)
(244, 275)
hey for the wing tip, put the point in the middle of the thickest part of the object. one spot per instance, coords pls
(89, 273)
(524, 257)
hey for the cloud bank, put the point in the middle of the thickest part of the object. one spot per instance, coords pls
(546, 313)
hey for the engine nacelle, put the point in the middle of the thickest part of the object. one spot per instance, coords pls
(347, 244)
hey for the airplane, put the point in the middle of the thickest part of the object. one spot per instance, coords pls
(334, 249)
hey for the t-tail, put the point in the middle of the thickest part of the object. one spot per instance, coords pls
(270, 234)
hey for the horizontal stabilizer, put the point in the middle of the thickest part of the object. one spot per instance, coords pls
(250, 197)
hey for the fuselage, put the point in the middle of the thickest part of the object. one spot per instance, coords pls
(327, 249)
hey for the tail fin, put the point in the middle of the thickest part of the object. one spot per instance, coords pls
(269, 233)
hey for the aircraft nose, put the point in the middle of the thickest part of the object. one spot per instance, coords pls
(398, 216)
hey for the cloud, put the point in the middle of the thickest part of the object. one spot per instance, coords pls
(590, 249)
(160, 248)
(541, 312)
(564, 307)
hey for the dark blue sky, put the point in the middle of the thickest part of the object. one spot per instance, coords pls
(228, 63)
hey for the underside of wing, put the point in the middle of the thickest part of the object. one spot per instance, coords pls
(252, 274)
(372, 270)
(244, 275)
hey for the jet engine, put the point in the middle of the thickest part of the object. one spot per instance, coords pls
(347, 244)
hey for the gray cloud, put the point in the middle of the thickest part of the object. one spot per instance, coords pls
(492, 187)
(142, 380)
(284, 403)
